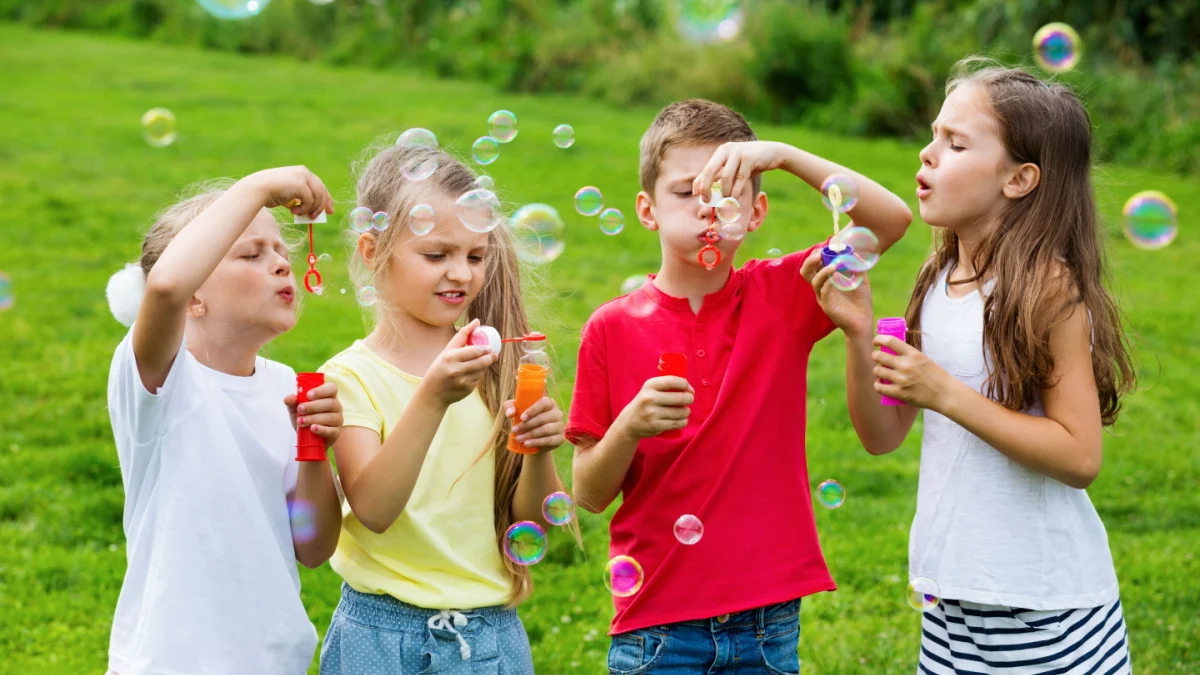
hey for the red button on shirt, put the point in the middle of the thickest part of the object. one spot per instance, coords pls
(739, 465)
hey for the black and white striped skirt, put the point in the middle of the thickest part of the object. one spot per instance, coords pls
(963, 637)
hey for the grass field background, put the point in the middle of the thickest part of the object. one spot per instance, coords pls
(79, 186)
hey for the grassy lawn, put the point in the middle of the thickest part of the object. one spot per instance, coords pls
(79, 187)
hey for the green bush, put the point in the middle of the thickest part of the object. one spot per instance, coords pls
(875, 69)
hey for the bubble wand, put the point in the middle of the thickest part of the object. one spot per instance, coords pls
(309, 446)
(835, 247)
(312, 272)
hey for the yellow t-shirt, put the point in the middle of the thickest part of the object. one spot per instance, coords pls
(441, 552)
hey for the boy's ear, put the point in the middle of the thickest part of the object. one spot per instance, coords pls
(759, 212)
(1023, 180)
(366, 247)
(645, 211)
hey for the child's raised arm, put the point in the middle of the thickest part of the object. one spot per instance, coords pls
(733, 164)
(196, 251)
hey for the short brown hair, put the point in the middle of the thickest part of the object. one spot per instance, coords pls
(695, 121)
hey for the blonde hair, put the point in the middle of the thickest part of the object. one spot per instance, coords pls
(171, 220)
(382, 186)
(694, 121)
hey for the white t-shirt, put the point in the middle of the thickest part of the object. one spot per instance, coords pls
(987, 529)
(207, 463)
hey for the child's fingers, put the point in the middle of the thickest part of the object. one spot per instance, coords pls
(885, 359)
(541, 429)
(671, 412)
(546, 419)
(702, 186)
(290, 401)
(324, 405)
(328, 419)
(811, 265)
(327, 390)
(895, 344)
(883, 373)
(551, 441)
(330, 434)
(729, 174)
(542, 405)
(509, 408)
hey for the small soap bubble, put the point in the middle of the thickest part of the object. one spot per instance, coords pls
(709, 21)
(733, 231)
(688, 529)
(612, 221)
(1057, 47)
(564, 136)
(1150, 220)
(367, 296)
(380, 221)
(525, 543)
(485, 150)
(361, 219)
(158, 127)
(623, 576)
(300, 515)
(417, 137)
(231, 10)
(485, 182)
(831, 494)
(728, 210)
(421, 219)
(503, 126)
(479, 210)
(846, 192)
(324, 258)
(321, 2)
(774, 252)
(862, 244)
(538, 233)
(7, 299)
(847, 275)
(923, 594)
(558, 508)
(589, 201)
(424, 164)
(632, 283)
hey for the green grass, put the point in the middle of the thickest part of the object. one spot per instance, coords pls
(79, 186)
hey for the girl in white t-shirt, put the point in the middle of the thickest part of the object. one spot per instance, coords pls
(1019, 360)
(217, 510)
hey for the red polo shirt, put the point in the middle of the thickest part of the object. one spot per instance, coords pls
(740, 464)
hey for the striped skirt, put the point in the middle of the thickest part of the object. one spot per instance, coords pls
(963, 637)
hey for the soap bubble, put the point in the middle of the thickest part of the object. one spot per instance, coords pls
(848, 274)
(538, 233)
(846, 193)
(361, 219)
(233, 9)
(301, 516)
(503, 126)
(324, 258)
(380, 221)
(831, 494)
(688, 529)
(632, 283)
(774, 252)
(424, 164)
(564, 136)
(485, 150)
(923, 594)
(709, 20)
(421, 219)
(1150, 220)
(728, 210)
(612, 222)
(863, 245)
(158, 127)
(623, 576)
(479, 210)
(7, 299)
(1057, 47)
(558, 508)
(734, 231)
(367, 296)
(525, 543)
(417, 137)
(589, 201)
(485, 182)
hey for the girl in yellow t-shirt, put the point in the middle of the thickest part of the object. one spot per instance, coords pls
(426, 585)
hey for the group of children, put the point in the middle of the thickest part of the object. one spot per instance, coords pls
(1015, 353)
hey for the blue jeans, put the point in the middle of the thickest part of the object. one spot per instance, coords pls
(756, 642)
(372, 634)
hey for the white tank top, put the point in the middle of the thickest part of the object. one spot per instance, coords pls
(987, 529)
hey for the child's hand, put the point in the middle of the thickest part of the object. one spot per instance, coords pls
(734, 164)
(322, 411)
(850, 310)
(294, 187)
(914, 377)
(660, 406)
(457, 371)
(541, 426)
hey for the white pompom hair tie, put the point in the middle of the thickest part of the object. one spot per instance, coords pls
(125, 291)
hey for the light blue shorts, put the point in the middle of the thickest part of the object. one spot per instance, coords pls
(372, 634)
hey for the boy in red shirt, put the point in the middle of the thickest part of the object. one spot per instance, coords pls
(730, 600)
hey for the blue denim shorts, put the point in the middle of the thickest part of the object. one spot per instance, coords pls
(372, 634)
(759, 641)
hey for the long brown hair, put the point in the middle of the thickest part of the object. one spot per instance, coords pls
(1044, 251)
(382, 186)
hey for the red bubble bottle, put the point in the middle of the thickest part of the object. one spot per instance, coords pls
(309, 446)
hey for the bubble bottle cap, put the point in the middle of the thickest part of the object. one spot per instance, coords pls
(486, 336)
